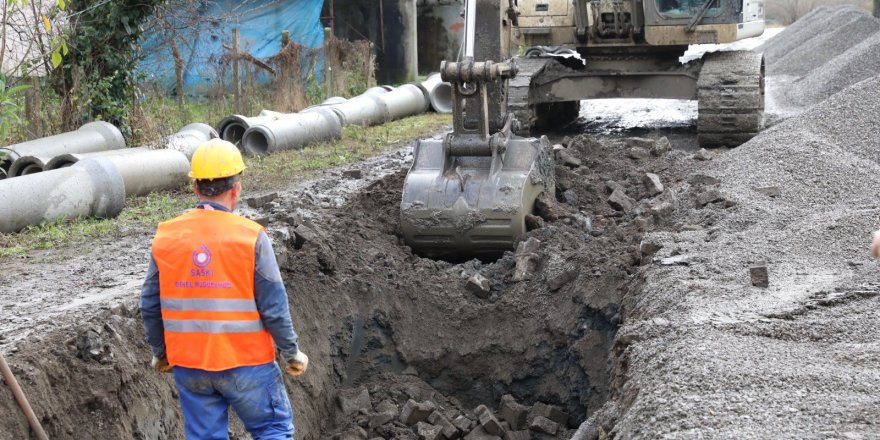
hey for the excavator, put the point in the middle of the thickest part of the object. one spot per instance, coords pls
(467, 195)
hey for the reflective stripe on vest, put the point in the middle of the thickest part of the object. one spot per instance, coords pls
(206, 287)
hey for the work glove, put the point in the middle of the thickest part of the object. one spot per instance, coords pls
(297, 365)
(160, 364)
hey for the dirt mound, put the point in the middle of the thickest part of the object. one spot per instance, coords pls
(833, 32)
(859, 62)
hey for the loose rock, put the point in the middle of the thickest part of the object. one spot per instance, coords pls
(652, 184)
(760, 276)
(620, 201)
(478, 285)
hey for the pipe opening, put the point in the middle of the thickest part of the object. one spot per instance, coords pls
(256, 142)
(441, 98)
(31, 169)
(234, 133)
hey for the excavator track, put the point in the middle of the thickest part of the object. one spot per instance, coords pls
(730, 91)
(518, 92)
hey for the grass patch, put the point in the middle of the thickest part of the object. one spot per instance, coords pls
(273, 172)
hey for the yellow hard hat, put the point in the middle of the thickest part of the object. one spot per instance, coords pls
(216, 159)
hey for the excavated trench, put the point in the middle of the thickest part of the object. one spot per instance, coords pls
(375, 317)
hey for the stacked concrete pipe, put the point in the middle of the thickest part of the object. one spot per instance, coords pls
(232, 128)
(94, 136)
(188, 138)
(143, 169)
(90, 188)
(439, 93)
(292, 131)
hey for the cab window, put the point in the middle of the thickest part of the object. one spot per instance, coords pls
(687, 8)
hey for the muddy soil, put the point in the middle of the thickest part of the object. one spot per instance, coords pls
(365, 306)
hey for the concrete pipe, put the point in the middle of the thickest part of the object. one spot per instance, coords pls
(144, 170)
(292, 131)
(188, 138)
(91, 188)
(232, 128)
(66, 160)
(366, 109)
(94, 136)
(28, 165)
(152, 170)
(439, 93)
(333, 100)
(406, 100)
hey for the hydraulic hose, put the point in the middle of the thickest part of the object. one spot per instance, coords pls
(22, 400)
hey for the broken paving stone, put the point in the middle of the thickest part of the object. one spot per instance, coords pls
(639, 142)
(527, 259)
(638, 153)
(702, 155)
(488, 422)
(356, 404)
(760, 276)
(449, 430)
(257, 202)
(303, 235)
(710, 196)
(566, 276)
(353, 174)
(512, 412)
(517, 435)
(611, 186)
(662, 212)
(480, 434)
(770, 191)
(414, 412)
(381, 418)
(462, 423)
(549, 208)
(661, 146)
(544, 425)
(702, 179)
(620, 201)
(652, 184)
(427, 431)
(478, 285)
(387, 406)
(565, 158)
(551, 412)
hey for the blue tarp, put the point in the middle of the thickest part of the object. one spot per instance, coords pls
(201, 38)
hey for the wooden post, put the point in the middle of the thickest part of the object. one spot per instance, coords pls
(178, 70)
(236, 74)
(328, 61)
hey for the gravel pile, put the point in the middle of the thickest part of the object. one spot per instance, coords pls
(708, 352)
(835, 32)
(801, 30)
(856, 64)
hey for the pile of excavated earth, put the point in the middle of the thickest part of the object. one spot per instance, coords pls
(659, 293)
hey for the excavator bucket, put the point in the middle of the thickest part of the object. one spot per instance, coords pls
(465, 206)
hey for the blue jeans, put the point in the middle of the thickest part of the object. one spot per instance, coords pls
(256, 394)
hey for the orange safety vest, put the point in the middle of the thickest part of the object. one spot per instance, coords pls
(206, 287)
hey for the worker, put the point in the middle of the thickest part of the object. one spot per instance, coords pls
(215, 309)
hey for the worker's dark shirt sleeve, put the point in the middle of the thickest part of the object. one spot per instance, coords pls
(271, 298)
(151, 310)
